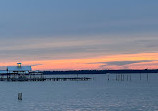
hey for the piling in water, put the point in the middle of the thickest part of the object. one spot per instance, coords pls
(19, 96)
(147, 77)
(121, 77)
(108, 77)
(116, 77)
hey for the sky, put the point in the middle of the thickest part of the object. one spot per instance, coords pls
(79, 34)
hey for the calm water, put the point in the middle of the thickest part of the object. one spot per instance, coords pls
(138, 94)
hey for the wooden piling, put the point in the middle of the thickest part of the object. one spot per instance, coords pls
(116, 77)
(121, 77)
(19, 96)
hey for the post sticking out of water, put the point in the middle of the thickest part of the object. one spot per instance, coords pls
(19, 96)
(130, 77)
(127, 77)
(140, 76)
(116, 77)
(121, 77)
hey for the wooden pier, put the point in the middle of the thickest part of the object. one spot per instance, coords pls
(40, 78)
(25, 73)
(46, 79)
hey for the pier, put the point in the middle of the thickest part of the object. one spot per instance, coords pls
(17, 77)
(25, 73)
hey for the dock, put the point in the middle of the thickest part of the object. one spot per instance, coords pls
(42, 78)
(25, 73)
(46, 79)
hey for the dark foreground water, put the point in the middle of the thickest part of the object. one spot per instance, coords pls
(100, 94)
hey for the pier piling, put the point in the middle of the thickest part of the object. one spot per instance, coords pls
(108, 77)
(147, 76)
(116, 77)
(127, 77)
(140, 77)
(19, 96)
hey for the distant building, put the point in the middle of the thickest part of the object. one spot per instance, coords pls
(19, 69)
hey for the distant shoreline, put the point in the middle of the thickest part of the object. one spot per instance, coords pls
(99, 71)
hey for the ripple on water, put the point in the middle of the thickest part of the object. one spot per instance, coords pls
(95, 95)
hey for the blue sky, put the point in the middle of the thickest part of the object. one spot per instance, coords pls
(70, 29)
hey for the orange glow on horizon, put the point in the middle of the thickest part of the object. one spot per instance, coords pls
(94, 63)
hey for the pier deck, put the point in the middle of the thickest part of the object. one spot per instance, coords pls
(46, 79)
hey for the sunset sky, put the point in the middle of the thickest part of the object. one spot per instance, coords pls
(79, 34)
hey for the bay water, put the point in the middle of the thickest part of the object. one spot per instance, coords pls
(104, 92)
